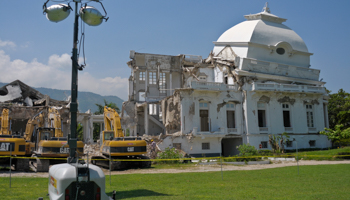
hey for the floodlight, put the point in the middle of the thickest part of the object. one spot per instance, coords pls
(57, 13)
(91, 15)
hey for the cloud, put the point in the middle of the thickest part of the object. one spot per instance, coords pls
(7, 44)
(57, 74)
(63, 61)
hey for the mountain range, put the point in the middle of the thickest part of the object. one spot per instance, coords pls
(86, 100)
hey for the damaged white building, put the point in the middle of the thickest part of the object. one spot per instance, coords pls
(257, 81)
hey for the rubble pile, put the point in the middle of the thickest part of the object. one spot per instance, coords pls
(92, 149)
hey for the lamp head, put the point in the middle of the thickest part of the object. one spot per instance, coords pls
(57, 13)
(91, 15)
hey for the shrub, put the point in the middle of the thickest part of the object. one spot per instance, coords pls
(246, 150)
(265, 152)
(169, 153)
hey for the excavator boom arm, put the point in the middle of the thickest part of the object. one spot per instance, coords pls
(4, 118)
(112, 122)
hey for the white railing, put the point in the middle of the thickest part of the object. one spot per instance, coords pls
(279, 69)
(287, 88)
(232, 130)
(311, 129)
(212, 86)
(288, 129)
(263, 129)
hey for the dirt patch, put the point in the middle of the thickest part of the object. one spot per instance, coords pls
(196, 168)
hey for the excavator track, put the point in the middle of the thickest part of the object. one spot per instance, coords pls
(121, 165)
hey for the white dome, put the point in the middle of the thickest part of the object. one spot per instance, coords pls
(262, 28)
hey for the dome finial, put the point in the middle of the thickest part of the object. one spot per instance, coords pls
(266, 8)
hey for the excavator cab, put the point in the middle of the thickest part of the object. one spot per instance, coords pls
(46, 133)
(108, 135)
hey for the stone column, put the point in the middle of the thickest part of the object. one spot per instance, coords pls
(146, 118)
(146, 84)
(171, 82)
(326, 115)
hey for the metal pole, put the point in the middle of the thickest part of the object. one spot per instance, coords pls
(72, 142)
(10, 162)
(222, 176)
(110, 162)
(297, 156)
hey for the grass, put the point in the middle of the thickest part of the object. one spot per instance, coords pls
(313, 182)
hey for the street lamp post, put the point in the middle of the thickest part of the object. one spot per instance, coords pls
(92, 17)
(72, 139)
(76, 180)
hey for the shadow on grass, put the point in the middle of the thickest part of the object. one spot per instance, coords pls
(135, 193)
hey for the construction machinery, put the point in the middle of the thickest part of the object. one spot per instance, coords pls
(50, 145)
(116, 146)
(13, 148)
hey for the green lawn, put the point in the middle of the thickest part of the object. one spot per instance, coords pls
(313, 182)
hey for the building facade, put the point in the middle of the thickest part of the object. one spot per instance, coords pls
(257, 81)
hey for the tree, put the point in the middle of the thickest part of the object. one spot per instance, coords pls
(277, 142)
(338, 135)
(80, 133)
(339, 110)
(110, 105)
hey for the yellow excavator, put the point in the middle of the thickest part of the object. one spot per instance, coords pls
(116, 146)
(50, 145)
(13, 145)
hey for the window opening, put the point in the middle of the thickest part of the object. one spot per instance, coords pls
(264, 144)
(230, 115)
(152, 109)
(142, 76)
(286, 115)
(162, 82)
(205, 146)
(177, 146)
(204, 116)
(280, 51)
(141, 96)
(152, 77)
(309, 116)
(312, 143)
(262, 114)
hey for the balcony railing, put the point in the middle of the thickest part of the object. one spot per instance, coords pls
(232, 130)
(279, 69)
(212, 86)
(312, 129)
(263, 129)
(288, 129)
(287, 88)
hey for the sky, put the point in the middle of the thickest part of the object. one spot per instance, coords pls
(37, 51)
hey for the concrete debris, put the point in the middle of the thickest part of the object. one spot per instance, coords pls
(92, 150)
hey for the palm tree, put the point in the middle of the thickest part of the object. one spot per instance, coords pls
(110, 105)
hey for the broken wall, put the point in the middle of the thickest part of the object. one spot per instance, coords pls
(171, 113)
